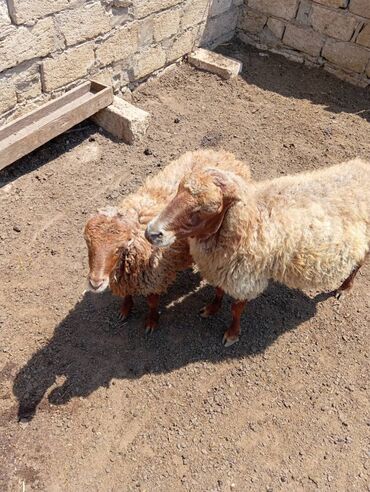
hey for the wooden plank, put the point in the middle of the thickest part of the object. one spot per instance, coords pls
(38, 127)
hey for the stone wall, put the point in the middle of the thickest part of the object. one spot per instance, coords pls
(48, 46)
(334, 34)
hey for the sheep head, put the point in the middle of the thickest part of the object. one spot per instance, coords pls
(197, 210)
(107, 234)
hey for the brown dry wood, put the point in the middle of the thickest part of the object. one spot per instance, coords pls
(25, 134)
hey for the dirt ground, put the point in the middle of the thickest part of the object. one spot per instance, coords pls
(87, 403)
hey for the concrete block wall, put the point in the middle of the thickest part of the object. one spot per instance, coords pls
(48, 46)
(334, 34)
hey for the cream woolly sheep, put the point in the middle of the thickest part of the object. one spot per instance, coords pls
(119, 255)
(310, 230)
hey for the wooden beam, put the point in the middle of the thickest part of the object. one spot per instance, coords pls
(29, 132)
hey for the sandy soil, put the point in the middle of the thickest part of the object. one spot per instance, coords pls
(87, 403)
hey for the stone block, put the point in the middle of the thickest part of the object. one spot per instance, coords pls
(304, 11)
(285, 9)
(67, 67)
(209, 61)
(24, 11)
(182, 45)
(28, 83)
(119, 46)
(346, 55)
(333, 3)
(220, 28)
(148, 61)
(123, 120)
(83, 23)
(303, 39)
(8, 97)
(27, 43)
(143, 8)
(252, 21)
(218, 7)
(4, 15)
(166, 25)
(146, 32)
(360, 7)
(364, 36)
(333, 23)
(276, 26)
(194, 12)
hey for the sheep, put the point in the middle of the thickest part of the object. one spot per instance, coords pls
(307, 231)
(119, 255)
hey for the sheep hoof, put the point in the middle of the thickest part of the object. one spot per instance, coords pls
(338, 294)
(150, 327)
(228, 341)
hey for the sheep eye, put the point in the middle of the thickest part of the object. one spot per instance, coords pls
(195, 219)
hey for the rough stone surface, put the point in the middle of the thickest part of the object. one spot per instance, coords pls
(252, 22)
(194, 12)
(23, 11)
(146, 32)
(304, 11)
(217, 7)
(28, 83)
(223, 66)
(333, 3)
(364, 36)
(83, 23)
(360, 7)
(8, 97)
(119, 46)
(346, 55)
(303, 39)
(123, 120)
(4, 16)
(333, 23)
(276, 26)
(147, 7)
(66, 68)
(183, 44)
(148, 61)
(220, 28)
(368, 70)
(166, 25)
(286, 9)
(27, 43)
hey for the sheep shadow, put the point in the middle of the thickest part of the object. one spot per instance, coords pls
(275, 73)
(90, 347)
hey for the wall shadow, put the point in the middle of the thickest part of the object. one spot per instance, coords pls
(90, 346)
(48, 152)
(275, 73)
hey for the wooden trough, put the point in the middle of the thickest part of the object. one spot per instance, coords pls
(28, 132)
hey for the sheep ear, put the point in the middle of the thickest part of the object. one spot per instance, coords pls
(223, 181)
(108, 211)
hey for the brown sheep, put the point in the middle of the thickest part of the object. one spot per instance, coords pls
(119, 255)
(308, 231)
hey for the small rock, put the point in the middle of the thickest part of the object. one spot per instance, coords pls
(16, 228)
(176, 120)
(147, 151)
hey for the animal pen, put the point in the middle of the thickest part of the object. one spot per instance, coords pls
(96, 97)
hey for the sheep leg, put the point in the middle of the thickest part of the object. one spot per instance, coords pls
(151, 322)
(231, 336)
(214, 306)
(348, 283)
(126, 308)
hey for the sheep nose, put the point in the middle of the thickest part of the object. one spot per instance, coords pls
(95, 284)
(151, 235)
